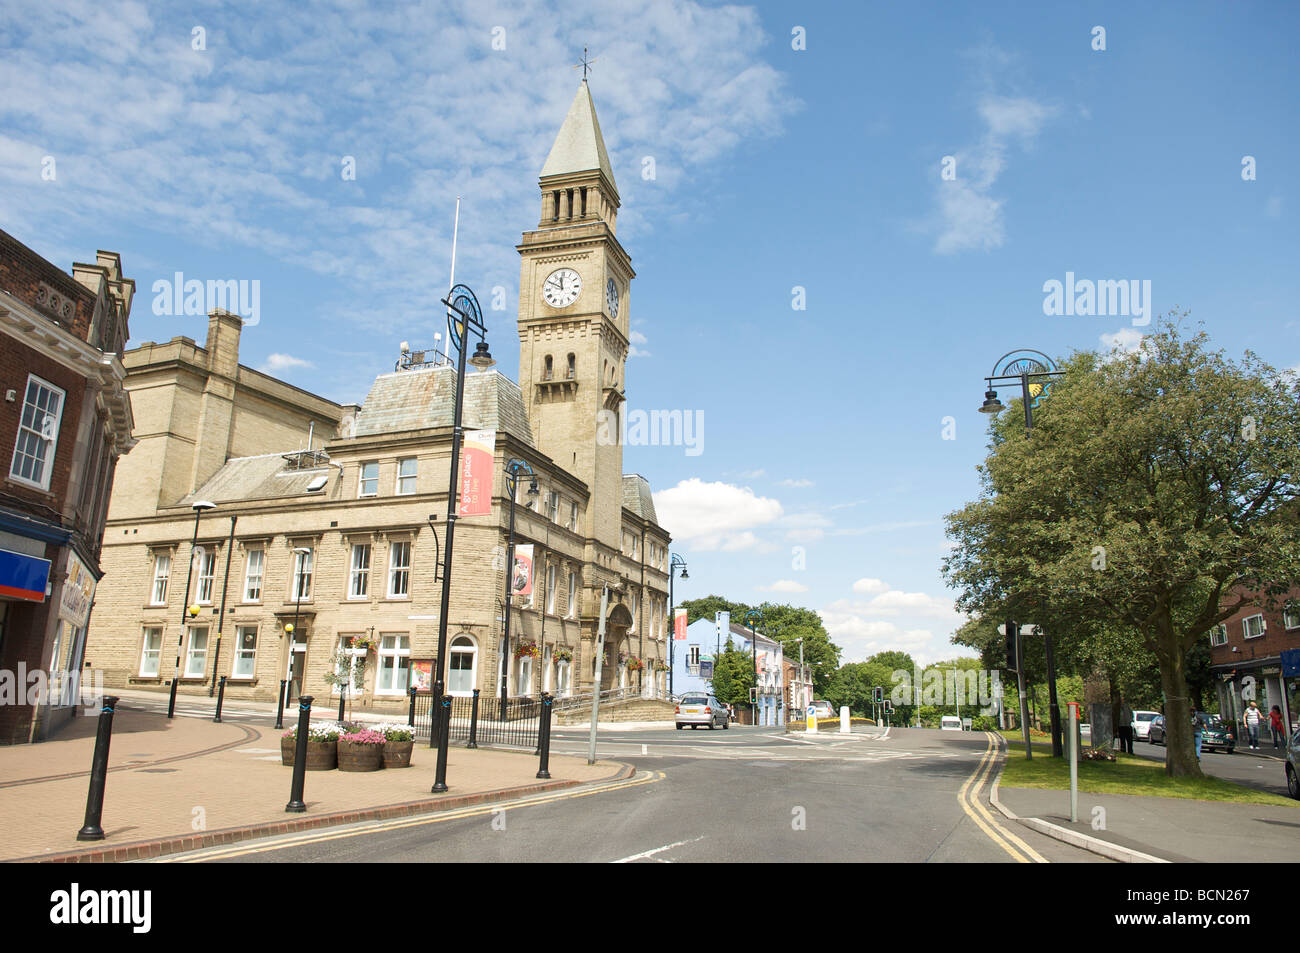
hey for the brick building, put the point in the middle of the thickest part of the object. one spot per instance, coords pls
(66, 419)
(330, 517)
(1246, 655)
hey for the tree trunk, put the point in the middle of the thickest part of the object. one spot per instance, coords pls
(1180, 746)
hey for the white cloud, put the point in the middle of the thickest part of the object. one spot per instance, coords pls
(784, 585)
(868, 585)
(283, 362)
(1127, 340)
(798, 484)
(752, 474)
(710, 516)
(805, 527)
(884, 527)
(637, 338)
(969, 214)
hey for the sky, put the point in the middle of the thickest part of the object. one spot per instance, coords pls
(840, 218)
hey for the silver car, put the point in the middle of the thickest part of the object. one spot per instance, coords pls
(700, 709)
(1293, 766)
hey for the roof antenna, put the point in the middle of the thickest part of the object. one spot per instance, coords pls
(585, 64)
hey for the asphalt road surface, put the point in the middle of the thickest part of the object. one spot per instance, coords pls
(741, 795)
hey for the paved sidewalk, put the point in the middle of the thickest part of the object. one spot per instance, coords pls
(1173, 829)
(214, 783)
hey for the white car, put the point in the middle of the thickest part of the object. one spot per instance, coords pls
(1142, 723)
(950, 723)
(822, 709)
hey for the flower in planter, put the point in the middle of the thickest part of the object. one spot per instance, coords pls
(395, 731)
(365, 736)
(319, 731)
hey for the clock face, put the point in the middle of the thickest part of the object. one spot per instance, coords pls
(611, 298)
(562, 288)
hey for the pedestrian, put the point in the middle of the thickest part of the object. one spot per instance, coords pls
(1252, 718)
(1275, 725)
(1197, 734)
(1124, 732)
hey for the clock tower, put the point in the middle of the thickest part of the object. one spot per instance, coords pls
(573, 321)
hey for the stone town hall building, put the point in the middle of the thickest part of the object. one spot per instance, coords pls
(345, 537)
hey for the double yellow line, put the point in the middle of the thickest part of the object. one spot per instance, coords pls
(373, 827)
(969, 796)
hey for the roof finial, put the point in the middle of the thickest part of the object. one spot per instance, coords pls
(585, 64)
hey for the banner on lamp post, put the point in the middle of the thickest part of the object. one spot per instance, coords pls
(679, 625)
(521, 580)
(476, 470)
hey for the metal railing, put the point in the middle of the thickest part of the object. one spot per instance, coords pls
(513, 723)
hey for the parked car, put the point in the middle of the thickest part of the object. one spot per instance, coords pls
(1141, 723)
(697, 710)
(822, 709)
(1216, 734)
(1293, 767)
(950, 723)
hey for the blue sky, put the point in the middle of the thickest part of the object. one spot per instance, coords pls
(775, 168)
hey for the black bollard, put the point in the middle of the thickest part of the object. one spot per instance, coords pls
(473, 723)
(410, 719)
(296, 805)
(544, 737)
(342, 694)
(442, 725)
(221, 697)
(92, 830)
(279, 708)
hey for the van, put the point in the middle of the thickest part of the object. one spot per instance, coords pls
(950, 723)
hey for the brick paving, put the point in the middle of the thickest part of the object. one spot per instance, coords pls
(185, 783)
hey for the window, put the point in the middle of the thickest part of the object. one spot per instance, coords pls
(394, 664)
(406, 472)
(245, 652)
(633, 603)
(368, 485)
(571, 366)
(550, 369)
(253, 575)
(573, 515)
(38, 434)
(301, 576)
(399, 570)
(162, 567)
(550, 589)
(359, 578)
(693, 660)
(553, 506)
(464, 657)
(1219, 635)
(572, 608)
(524, 681)
(1253, 626)
(152, 651)
(1291, 617)
(562, 678)
(196, 656)
(207, 573)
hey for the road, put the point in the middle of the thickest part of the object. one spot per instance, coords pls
(741, 795)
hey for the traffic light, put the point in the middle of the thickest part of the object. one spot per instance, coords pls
(889, 708)
(1011, 631)
(880, 695)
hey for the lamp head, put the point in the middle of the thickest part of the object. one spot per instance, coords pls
(482, 359)
(991, 403)
(288, 628)
(533, 489)
(194, 610)
(200, 505)
(685, 575)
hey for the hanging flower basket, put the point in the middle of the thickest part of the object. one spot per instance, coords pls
(363, 642)
(661, 665)
(526, 650)
(634, 664)
(563, 655)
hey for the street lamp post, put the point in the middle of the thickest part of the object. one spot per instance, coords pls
(513, 469)
(1032, 369)
(291, 630)
(753, 645)
(463, 316)
(676, 563)
(198, 507)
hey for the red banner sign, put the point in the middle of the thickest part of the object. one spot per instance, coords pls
(679, 625)
(476, 469)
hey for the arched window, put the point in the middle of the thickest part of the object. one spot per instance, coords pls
(550, 369)
(464, 667)
(572, 365)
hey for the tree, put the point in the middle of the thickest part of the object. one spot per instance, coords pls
(1156, 488)
(733, 676)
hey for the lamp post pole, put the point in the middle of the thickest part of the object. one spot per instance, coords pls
(513, 469)
(463, 316)
(1025, 367)
(753, 644)
(199, 507)
(676, 563)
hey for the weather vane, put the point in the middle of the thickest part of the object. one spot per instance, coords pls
(585, 64)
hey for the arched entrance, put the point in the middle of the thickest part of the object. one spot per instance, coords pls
(617, 624)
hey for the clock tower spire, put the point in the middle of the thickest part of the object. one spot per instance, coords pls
(573, 320)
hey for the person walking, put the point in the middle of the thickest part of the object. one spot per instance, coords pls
(1252, 718)
(1197, 734)
(1275, 725)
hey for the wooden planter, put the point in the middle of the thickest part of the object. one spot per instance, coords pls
(360, 757)
(397, 754)
(321, 755)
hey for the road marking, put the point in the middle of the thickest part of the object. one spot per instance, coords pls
(373, 827)
(970, 803)
(658, 850)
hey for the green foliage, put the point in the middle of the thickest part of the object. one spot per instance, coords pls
(733, 675)
(1152, 487)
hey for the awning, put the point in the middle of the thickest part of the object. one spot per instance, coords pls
(23, 577)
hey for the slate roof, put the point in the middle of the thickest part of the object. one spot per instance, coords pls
(638, 498)
(579, 147)
(252, 478)
(425, 397)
